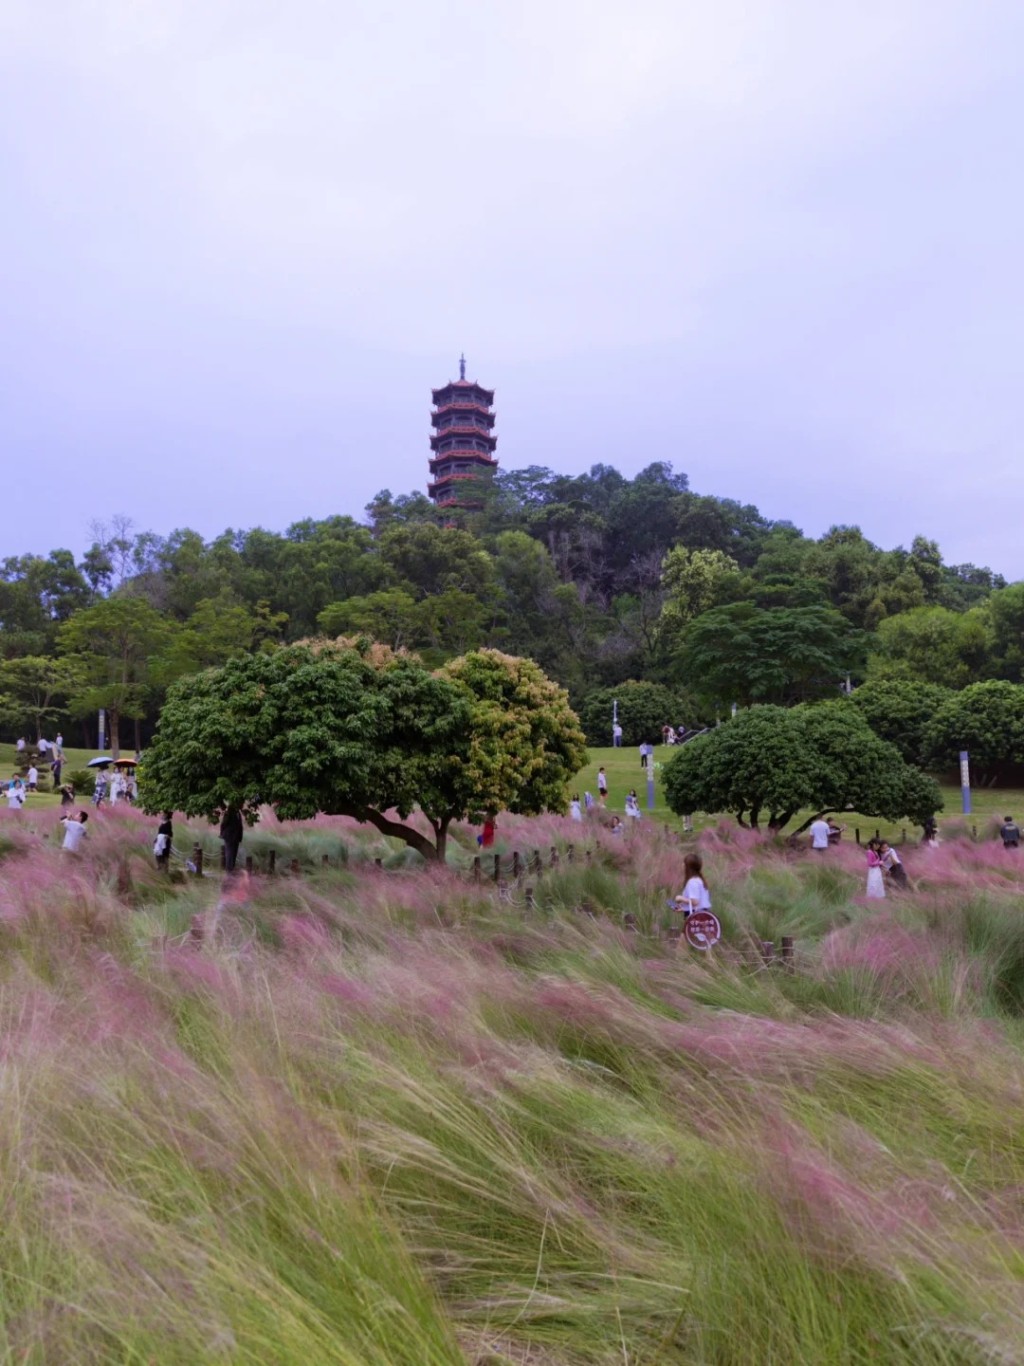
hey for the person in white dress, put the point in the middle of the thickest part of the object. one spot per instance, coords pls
(876, 881)
(575, 811)
(633, 805)
(695, 895)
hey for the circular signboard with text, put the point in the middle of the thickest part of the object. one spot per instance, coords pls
(702, 930)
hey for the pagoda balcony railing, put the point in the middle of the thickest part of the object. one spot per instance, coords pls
(455, 451)
(465, 429)
(460, 405)
(463, 455)
(447, 480)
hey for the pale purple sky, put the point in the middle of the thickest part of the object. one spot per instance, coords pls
(776, 242)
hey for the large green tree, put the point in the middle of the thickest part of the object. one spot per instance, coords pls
(987, 720)
(643, 708)
(34, 688)
(932, 645)
(745, 654)
(769, 763)
(900, 710)
(365, 733)
(112, 647)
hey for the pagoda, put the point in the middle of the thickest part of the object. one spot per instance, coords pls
(462, 442)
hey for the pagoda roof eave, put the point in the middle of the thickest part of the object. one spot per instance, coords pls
(464, 386)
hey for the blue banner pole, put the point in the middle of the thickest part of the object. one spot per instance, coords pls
(650, 778)
(965, 781)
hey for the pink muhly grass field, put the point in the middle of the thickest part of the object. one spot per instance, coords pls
(399, 1116)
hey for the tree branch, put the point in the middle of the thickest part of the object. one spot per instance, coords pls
(366, 815)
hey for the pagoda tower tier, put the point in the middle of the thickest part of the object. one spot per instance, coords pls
(462, 443)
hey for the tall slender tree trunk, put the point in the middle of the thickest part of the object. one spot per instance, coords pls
(114, 721)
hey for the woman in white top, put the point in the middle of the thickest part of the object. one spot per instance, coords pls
(695, 895)
(575, 810)
(633, 805)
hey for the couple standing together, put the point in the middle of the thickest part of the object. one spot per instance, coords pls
(883, 864)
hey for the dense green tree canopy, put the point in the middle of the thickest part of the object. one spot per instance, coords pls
(596, 576)
(931, 645)
(643, 709)
(986, 719)
(112, 647)
(742, 653)
(769, 763)
(367, 734)
(900, 711)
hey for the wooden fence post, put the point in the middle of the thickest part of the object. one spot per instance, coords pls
(767, 952)
(378, 863)
(294, 868)
(476, 869)
(272, 862)
(497, 867)
(197, 859)
(787, 951)
(537, 861)
(515, 863)
(223, 857)
(554, 857)
(856, 833)
(531, 904)
(248, 863)
(325, 861)
(570, 853)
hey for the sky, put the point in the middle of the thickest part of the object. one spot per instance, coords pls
(775, 242)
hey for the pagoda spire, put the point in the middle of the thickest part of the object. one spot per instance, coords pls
(462, 366)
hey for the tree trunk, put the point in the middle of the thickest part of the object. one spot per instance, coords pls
(114, 722)
(138, 734)
(405, 833)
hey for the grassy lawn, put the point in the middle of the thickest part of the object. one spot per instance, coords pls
(73, 759)
(623, 769)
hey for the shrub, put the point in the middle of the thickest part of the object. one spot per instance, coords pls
(84, 780)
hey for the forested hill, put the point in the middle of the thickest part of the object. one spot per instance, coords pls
(598, 577)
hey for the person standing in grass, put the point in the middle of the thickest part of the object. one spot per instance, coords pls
(33, 778)
(876, 883)
(575, 810)
(1010, 833)
(55, 769)
(67, 794)
(74, 831)
(231, 831)
(99, 791)
(602, 785)
(633, 805)
(163, 841)
(15, 793)
(819, 834)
